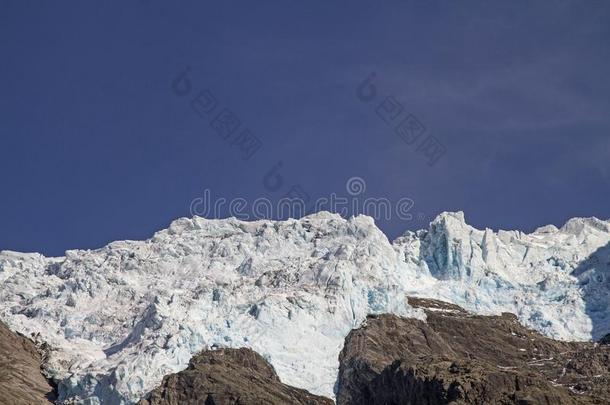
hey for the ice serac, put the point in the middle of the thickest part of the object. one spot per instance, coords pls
(555, 280)
(452, 250)
(121, 317)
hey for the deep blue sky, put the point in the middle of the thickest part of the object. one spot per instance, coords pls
(95, 146)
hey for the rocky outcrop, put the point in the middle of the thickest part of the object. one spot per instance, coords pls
(227, 377)
(459, 358)
(21, 380)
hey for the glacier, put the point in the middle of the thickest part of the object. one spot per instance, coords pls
(113, 321)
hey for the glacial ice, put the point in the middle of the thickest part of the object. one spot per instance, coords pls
(117, 319)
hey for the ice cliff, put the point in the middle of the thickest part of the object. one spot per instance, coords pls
(119, 318)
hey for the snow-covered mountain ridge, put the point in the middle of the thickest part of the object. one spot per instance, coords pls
(120, 317)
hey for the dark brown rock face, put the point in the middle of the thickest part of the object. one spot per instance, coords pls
(21, 381)
(459, 358)
(229, 376)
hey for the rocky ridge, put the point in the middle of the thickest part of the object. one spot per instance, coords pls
(456, 357)
(21, 379)
(228, 377)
